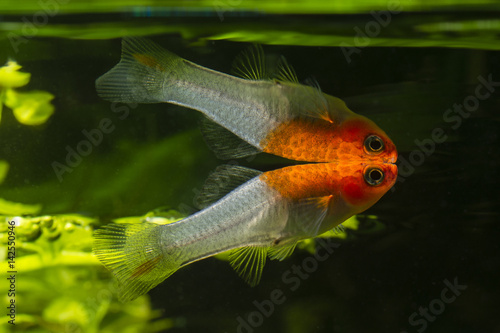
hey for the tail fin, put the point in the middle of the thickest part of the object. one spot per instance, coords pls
(140, 75)
(132, 252)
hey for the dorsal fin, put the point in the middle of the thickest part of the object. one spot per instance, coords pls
(285, 72)
(315, 102)
(249, 262)
(251, 64)
(222, 181)
(225, 144)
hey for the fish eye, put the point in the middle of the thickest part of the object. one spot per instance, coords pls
(374, 176)
(374, 144)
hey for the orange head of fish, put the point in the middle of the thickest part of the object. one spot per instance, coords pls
(344, 189)
(366, 184)
(364, 140)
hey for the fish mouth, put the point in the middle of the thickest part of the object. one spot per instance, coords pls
(391, 173)
(391, 159)
(389, 162)
(387, 158)
(392, 155)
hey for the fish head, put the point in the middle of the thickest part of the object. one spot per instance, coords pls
(366, 184)
(364, 140)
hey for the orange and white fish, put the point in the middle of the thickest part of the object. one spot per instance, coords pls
(256, 214)
(265, 216)
(279, 116)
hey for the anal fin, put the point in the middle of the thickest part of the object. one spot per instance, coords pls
(249, 262)
(281, 252)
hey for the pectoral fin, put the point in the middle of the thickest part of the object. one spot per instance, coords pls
(224, 143)
(309, 215)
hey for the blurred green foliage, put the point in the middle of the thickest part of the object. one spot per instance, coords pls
(4, 168)
(275, 6)
(409, 23)
(30, 108)
(60, 285)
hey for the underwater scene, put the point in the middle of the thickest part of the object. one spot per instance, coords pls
(250, 166)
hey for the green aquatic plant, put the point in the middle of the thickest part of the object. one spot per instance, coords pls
(16, 208)
(29, 108)
(4, 168)
(60, 286)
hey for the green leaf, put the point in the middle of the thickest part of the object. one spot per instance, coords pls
(4, 168)
(31, 108)
(10, 77)
(2, 97)
(15, 208)
(65, 310)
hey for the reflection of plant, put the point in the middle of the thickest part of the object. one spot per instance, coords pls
(30, 108)
(14, 208)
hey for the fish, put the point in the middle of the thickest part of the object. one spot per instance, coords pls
(268, 110)
(347, 165)
(266, 215)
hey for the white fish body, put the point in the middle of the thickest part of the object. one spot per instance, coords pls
(251, 109)
(253, 217)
